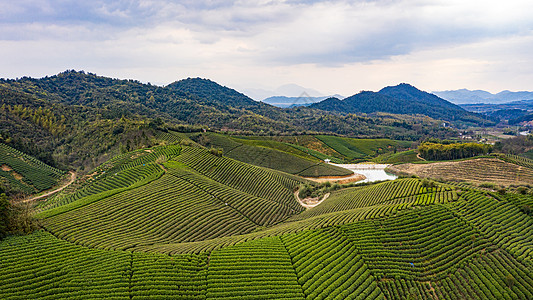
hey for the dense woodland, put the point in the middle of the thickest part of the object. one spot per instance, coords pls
(403, 99)
(434, 151)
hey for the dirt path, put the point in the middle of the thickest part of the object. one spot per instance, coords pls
(72, 179)
(420, 157)
(340, 180)
(310, 202)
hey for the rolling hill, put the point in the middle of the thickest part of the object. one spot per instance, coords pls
(400, 99)
(25, 174)
(177, 221)
(76, 120)
(271, 154)
(464, 96)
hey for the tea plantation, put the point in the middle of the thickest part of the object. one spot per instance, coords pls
(182, 222)
(26, 174)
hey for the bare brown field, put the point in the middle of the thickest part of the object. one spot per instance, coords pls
(474, 170)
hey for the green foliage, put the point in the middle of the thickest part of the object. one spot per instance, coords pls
(526, 209)
(200, 196)
(4, 215)
(401, 191)
(320, 189)
(216, 152)
(77, 119)
(432, 151)
(40, 266)
(352, 148)
(408, 156)
(25, 174)
(401, 99)
(329, 266)
(269, 154)
(15, 218)
(260, 269)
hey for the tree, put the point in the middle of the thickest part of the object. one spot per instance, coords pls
(4, 215)
(510, 281)
(526, 209)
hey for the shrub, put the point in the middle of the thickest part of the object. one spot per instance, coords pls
(510, 281)
(487, 185)
(522, 190)
(216, 151)
(526, 209)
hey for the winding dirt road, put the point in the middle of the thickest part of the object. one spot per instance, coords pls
(72, 179)
(310, 202)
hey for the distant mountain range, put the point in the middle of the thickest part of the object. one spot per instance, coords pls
(400, 99)
(464, 96)
(288, 90)
(303, 100)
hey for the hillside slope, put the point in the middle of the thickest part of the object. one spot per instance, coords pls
(400, 99)
(392, 240)
(21, 173)
(171, 194)
(270, 154)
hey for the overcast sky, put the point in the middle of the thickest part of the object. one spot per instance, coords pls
(331, 46)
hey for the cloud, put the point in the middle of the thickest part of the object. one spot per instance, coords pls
(260, 38)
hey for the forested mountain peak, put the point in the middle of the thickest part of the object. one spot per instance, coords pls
(405, 91)
(214, 93)
(400, 99)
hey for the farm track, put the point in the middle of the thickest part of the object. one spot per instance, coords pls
(73, 176)
(305, 203)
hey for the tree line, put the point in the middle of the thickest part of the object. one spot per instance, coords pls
(437, 151)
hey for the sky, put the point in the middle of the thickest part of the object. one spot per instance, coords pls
(334, 47)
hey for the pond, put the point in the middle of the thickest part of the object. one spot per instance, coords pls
(373, 173)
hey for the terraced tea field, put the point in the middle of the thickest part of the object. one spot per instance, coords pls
(479, 170)
(25, 173)
(179, 222)
(273, 155)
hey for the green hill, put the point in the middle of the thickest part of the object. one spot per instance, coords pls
(352, 148)
(171, 194)
(401, 99)
(271, 154)
(76, 120)
(21, 173)
(392, 240)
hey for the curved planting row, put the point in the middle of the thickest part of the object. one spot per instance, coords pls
(6, 150)
(259, 269)
(171, 136)
(261, 211)
(390, 192)
(422, 244)
(321, 221)
(479, 170)
(316, 154)
(409, 289)
(495, 275)
(116, 174)
(168, 277)
(517, 160)
(110, 182)
(500, 221)
(329, 267)
(35, 176)
(169, 209)
(271, 154)
(256, 181)
(135, 158)
(40, 266)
